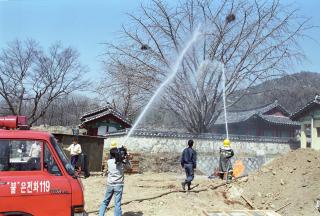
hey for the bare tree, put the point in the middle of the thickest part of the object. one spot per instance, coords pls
(121, 89)
(67, 111)
(252, 40)
(31, 79)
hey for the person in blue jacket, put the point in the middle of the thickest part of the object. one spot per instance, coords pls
(189, 163)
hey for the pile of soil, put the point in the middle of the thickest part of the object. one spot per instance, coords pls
(151, 162)
(164, 162)
(289, 184)
(161, 163)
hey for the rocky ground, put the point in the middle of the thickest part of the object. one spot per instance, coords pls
(289, 185)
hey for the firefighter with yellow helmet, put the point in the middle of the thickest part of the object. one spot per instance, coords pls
(225, 166)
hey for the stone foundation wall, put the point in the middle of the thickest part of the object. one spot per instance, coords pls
(252, 151)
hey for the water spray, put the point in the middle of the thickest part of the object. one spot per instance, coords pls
(173, 73)
(224, 98)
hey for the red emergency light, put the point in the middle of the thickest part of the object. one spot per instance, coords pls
(13, 122)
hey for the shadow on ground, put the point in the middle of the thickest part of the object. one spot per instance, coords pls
(130, 213)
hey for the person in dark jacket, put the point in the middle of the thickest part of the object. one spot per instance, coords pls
(189, 163)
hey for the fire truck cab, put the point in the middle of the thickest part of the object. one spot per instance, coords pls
(36, 177)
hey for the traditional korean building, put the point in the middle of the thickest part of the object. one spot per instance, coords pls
(271, 120)
(309, 118)
(102, 120)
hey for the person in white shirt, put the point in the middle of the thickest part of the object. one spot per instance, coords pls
(75, 151)
(35, 150)
(34, 154)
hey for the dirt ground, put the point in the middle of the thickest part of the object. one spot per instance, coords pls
(148, 185)
(289, 185)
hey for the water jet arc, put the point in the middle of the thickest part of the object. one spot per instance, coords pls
(173, 73)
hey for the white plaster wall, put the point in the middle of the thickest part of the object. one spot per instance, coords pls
(176, 145)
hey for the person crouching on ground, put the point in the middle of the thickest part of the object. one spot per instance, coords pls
(189, 163)
(75, 151)
(225, 166)
(115, 181)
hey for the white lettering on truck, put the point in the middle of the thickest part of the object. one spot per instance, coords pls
(29, 187)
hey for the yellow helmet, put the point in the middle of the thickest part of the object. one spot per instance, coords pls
(226, 143)
(114, 144)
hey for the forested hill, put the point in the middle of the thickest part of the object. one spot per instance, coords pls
(292, 91)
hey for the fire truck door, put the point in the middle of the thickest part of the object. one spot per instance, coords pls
(34, 185)
(58, 186)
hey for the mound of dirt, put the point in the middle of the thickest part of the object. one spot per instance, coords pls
(289, 184)
(163, 162)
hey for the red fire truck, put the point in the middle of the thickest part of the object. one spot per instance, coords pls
(36, 177)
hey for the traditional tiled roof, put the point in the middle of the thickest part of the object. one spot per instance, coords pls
(210, 136)
(100, 112)
(260, 112)
(95, 111)
(315, 102)
(280, 120)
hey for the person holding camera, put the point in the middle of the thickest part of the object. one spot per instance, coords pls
(117, 162)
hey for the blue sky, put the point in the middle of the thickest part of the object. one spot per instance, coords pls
(81, 24)
(84, 25)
